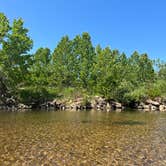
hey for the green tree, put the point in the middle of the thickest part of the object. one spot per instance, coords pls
(64, 63)
(162, 71)
(4, 26)
(105, 72)
(85, 55)
(15, 48)
(39, 71)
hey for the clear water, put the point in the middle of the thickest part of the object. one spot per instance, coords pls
(82, 138)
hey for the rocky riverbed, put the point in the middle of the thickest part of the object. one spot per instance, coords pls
(82, 138)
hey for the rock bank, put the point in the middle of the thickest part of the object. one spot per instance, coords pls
(157, 104)
(96, 103)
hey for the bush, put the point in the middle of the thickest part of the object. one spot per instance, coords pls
(157, 89)
(35, 95)
(148, 90)
(136, 95)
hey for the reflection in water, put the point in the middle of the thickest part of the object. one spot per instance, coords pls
(82, 138)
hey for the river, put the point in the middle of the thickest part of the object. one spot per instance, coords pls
(86, 138)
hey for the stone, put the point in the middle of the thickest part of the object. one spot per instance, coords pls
(99, 103)
(153, 108)
(162, 108)
(10, 101)
(140, 107)
(146, 107)
(155, 103)
(23, 106)
(116, 105)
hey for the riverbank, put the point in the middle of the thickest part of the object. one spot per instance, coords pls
(95, 103)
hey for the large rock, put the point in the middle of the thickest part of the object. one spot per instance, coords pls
(23, 106)
(155, 103)
(146, 107)
(140, 106)
(59, 104)
(162, 108)
(151, 105)
(99, 103)
(78, 104)
(10, 101)
(116, 105)
(154, 108)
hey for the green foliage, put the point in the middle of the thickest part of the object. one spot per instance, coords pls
(14, 50)
(39, 70)
(85, 54)
(157, 89)
(4, 26)
(162, 71)
(75, 69)
(72, 93)
(138, 94)
(64, 64)
(35, 95)
(145, 91)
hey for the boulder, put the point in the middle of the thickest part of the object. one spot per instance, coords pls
(10, 101)
(116, 105)
(146, 107)
(158, 99)
(162, 108)
(153, 108)
(155, 103)
(140, 107)
(23, 106)
(99, 103)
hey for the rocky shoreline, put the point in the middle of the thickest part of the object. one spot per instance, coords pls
(158, 104)
(96, 103)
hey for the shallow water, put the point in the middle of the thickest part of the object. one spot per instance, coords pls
(82, 138)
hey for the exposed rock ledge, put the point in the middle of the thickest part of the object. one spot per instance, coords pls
(96, 103)
(158, 104)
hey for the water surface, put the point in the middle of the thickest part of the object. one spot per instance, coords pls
(82, 138)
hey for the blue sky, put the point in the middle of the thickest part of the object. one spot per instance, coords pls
(127, 25)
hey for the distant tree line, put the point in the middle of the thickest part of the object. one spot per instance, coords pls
(75, 65)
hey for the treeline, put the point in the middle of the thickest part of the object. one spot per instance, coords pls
(74, 68)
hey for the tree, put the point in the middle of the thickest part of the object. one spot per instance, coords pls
(64, 63)
(85, 55)
(4, 29)
(162, 71)
(39, 70)
(4, 26)
(15, 48)
(105, 72)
